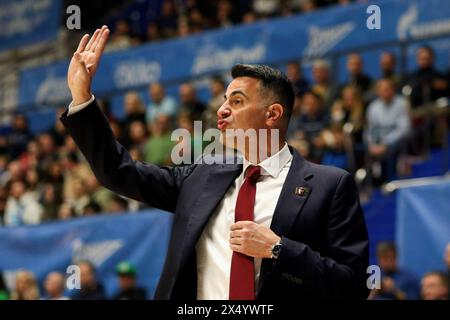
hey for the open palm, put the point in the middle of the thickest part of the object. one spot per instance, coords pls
(84, 64)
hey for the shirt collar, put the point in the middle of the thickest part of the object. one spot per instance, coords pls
(273, 165)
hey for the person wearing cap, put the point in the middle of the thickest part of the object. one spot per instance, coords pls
(126, 273)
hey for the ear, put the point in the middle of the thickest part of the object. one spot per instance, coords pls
(274, 114)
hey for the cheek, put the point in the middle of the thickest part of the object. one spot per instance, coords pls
(249, 118)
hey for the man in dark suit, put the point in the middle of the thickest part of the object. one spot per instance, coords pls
(275, 228)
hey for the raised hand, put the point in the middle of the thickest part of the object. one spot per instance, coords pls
(84, 64)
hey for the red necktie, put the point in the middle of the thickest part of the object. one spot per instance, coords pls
(242, 276)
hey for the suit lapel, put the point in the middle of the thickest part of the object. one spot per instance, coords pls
(294, 194)
(289, 205)
(218, 182)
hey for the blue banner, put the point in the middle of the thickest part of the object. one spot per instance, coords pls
(106, 240)
(327, 31)
(24, 22)
(423, 227)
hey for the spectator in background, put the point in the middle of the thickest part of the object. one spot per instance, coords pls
(138, 136)
(161, 104)
(356, 75)
(80, 197)
(32, 156)
(91, 209)
(134, 111)
(435, 286)
(22, 207)
(153, 32)
(18, 138)
(217, 91)
(90, 289)
(58, 132)
(26, 287)
(3, 199)
(4, 294)
(347, 114)
(168, 19)
(189, 101)
(349, 109)
(121, 37)
(294, 74)
(126, 273)
(74, 170)
(98, 194)
(322, 82)
(184, 121)
(47, 147)
(388, 66)
(311, 123)
(14, 172)
(447, 263)
(54, 285)
(4, 174)
(159, 147)
(266, 8)
(50, 201)
(118, 204)
(66, 212)
(224, 14)
(396, 283)
(388, 126)
(426, 83)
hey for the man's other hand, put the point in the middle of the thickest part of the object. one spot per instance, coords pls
(84, 64)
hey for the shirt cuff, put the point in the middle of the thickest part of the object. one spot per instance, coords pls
(73, 109)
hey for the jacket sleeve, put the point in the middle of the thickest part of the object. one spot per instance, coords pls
(114, 167)
(340, 271)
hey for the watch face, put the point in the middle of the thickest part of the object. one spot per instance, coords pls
(276, 250)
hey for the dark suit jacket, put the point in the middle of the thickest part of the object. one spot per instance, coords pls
(325, 242)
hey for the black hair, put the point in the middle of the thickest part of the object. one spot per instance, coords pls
(271, 79)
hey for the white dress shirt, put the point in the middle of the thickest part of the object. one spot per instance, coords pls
(213, 248)
(73, 109)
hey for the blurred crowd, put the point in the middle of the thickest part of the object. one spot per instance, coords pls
(362, 124)
(180, 18)
(393, 283)
(56, 286)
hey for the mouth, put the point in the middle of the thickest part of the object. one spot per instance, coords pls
(221, 124)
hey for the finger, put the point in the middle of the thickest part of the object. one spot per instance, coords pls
(236, 248)
(240, 225)
(78, 59)
(236, 241)
(236, 234)
(91, 41)
(102, 42)
(96, 41)
(82, 45)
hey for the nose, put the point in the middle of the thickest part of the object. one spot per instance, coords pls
(224, 111)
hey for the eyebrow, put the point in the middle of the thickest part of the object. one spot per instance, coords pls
(235, 92)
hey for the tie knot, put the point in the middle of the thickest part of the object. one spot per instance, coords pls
(253, 173)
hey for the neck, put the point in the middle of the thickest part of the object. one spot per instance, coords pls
(265, 148)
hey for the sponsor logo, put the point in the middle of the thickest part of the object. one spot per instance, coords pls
(53, 90)
(321, 40)
(97, 252)
(409, 27)
(210, 58)
(133, 73)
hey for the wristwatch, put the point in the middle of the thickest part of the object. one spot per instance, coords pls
(276, 250)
